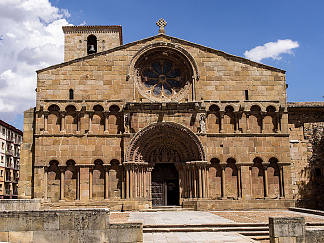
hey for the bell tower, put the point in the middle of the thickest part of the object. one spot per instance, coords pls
(80, 41)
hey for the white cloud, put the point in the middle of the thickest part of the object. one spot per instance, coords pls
(271, 50)
(31, 38)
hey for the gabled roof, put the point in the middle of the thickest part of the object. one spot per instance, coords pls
(173, 39)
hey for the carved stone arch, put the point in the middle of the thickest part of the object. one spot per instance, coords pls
(114, 108)
(162, 45)
(54, 107)
(76, 105)
(97, 108)
(59, 162)
(213, 108)
(184, 140)
(163, 72)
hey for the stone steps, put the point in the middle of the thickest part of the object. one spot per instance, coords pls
(254, 231)
(166, 208)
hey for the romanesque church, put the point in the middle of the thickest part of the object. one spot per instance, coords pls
(160, 121)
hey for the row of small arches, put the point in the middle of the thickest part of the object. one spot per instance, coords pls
(265, 181)
(95, 108)
(253, 109)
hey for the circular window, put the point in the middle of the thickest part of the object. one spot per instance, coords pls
(163, 75)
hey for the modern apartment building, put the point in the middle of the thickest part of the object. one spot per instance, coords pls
(10, 141)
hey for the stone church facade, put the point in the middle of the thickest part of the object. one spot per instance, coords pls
(159, 121)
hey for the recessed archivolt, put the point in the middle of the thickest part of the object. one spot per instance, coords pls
(166, 45)
(168, 138)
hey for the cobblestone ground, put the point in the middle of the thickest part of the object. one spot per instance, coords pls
(262, 216)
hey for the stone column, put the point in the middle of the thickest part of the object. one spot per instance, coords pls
(90, 183)
(200, 182)
(144, 183)
(45, 122)
(239, 187)
(78, 184)
(150, 183)
(62, 183)
(78, 116)
(106, 182)
(203, 182)
(106, 123)
(90, 121)
(127, 182)
(282, 182)
(223, 182)
(207, 181)
(265, 182)
(284, 122)
(62, 122)
(247, 122)
(190, 182)
(131, 182)
(195, 194)
(45, 182)
(221, 119)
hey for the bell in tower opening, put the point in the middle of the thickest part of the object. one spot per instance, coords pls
(91, 44)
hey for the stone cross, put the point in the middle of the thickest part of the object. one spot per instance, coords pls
(161, 23)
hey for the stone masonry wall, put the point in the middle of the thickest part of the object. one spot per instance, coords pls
(306, 126)
(103, 76)
(73, 225)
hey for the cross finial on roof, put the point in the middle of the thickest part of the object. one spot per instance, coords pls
(161, 23)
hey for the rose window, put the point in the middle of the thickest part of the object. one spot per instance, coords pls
(163, 75)
(162, 78)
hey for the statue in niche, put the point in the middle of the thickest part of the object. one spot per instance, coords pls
(202, 123)
(127, 122)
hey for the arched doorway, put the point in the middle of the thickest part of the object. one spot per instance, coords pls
(165, 185)
(172, 154)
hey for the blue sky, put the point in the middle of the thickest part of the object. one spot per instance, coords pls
(231, 26)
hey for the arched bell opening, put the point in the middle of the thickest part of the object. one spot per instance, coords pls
(172, 151)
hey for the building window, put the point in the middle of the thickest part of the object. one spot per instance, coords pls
(71, 94)
(3, 131)
(1, 173)
(246, 95)
(91, 44)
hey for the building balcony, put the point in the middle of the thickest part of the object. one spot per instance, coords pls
(8, 179)
(8, 165)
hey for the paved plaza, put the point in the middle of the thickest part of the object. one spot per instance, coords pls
(185, 218)
(192, 218)
(177, 218)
